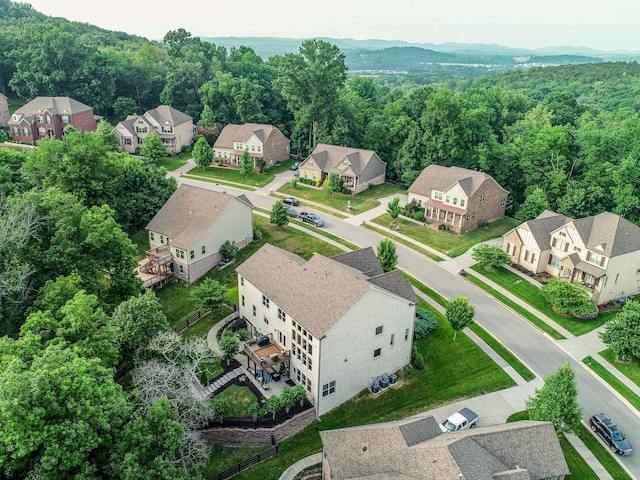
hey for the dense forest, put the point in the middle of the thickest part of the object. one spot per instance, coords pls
(565, 138)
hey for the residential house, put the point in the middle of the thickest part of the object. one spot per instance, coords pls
(459, 198)
(415, 448)
(176, 129)
(47, 117)
(358, 168)
(601, 252)
(342, 321)
(4, 111)
(263, 142)
(193, 224)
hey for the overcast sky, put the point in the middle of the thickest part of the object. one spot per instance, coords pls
(599, 24)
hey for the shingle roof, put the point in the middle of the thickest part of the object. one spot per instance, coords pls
(519, 450)
(394, 282)
(609, 233)
(542, 226)
(331, 288)
(239, 133)
(437, 177)
(364, 260)
(167, 115)
(54, 105)
(189, 214)
(330, 158)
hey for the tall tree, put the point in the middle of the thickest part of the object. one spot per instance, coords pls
(387, 255)
(535, 203)
(557, 401)
(460, 314)
(209, 294)
(334, 184)
(489, 257)
(622, 333)
(393, 208)
(246, 162)
(202, 153)
(152, 148)
(279, 215)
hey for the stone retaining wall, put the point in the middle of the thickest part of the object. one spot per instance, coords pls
(255, 437)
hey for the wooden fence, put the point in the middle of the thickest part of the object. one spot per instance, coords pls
(249, 462)
(190, 321)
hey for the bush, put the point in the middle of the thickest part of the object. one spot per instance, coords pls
(412, 207)
(569, 298)
(346, 191)
(419, 215)
(294, 183)
(426, 322)
(242, 334)
(418, 362)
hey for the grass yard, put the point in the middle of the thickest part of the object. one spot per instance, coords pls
(531, 294)
(523, 312)
(577, 466)
(141, 241)
(630, 369)
(613, 381)
(206, 323)
(240, 399)
(360, 203)
(219, 182)
(209, 371)
(449, 243)
(226, 457)
(173, 163)
(406, 243)
(253, 179)
(474, 374)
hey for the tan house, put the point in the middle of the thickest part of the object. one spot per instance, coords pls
(341, 322)
(47, 117)
(415, 448)
(601, 252)
(176, 129)
(459, 198)
(4, 111)
(358, 168)
(187, 232)
(264, 142)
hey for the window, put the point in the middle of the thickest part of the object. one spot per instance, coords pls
(161, 238)
(181, 268)
(253, 148)
(406, 335)
(242, 300)
(462, 204)
(180, 253)
(529, 256)
(511, 249)
(265, 319)
(259, 148)
(392, 339)
(377, 352)
(379, 330)
(265, 301)
(127, 141)
(64, 118)
(26, 132)
(242, 281)
(329, 388)
(482, 198)
(141, 129)
(447, 199)
(473, 215)
(637, 271)
(166, 129)
(554, 261)
(203, 249)
(455, 200)
(39, 119)
(42, 131)
(192, 254)
(254, 310)
(281, 315)
(559, 244)
(151, 236)
(438, 196)
(49, 120)
(503, 202)
(595, 258)
(16, 131)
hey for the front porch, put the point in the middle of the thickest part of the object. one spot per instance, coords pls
(444, 218)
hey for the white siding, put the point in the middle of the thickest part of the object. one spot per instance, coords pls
(625, 268)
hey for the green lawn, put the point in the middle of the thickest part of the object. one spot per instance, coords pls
(463, 361)
(523, 312)
(406, 243)
(219, 182)
(226, 457)
(206, 323)
(210, 370)
(173, 163)
(360, 203)
(604, 456)
(613, 381)
(531, 294)
(253, 179)
(240, 400)
(141, 241)
(630, 369)
(449, 243)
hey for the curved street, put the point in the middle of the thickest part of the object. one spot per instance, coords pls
(537, 350)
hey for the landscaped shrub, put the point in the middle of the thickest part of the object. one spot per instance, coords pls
(418, 362)
(419, 215)
(346, 191)
(242, 334)
(425, 323)
(569, 298)
(411, 208)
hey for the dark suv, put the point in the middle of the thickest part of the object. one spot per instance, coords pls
(610, 433)
(290, 201)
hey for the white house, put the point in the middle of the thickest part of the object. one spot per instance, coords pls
(342, 321)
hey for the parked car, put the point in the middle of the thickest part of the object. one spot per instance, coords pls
(291, 201)
(295, 165)
(224, 262)
(292, 212)
(610, 433)
(311, 218)
(461, 420)
(296, 173)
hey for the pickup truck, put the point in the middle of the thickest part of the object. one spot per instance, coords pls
(461, 420)
(311, 218)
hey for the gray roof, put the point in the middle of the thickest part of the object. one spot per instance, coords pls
(542, 226)
(331, 158)
(54, 105)
(364, 260)
(439, 178)
(167, 115)
(608, 233)
(393, 281)
(331, 288)
(190, 213)
(514, 451)
(239, 133)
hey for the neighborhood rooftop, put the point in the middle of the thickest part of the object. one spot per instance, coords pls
(233, 133)
(437, 177)
(54, 105)
(332, 287)
(330, 157)
(189, 213)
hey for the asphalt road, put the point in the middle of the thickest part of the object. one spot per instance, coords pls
(536, 349)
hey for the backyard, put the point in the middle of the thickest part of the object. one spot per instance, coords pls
(360, 203)
(448, 243)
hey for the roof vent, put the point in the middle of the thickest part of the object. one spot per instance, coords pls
(190, 211)
(325, 273)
